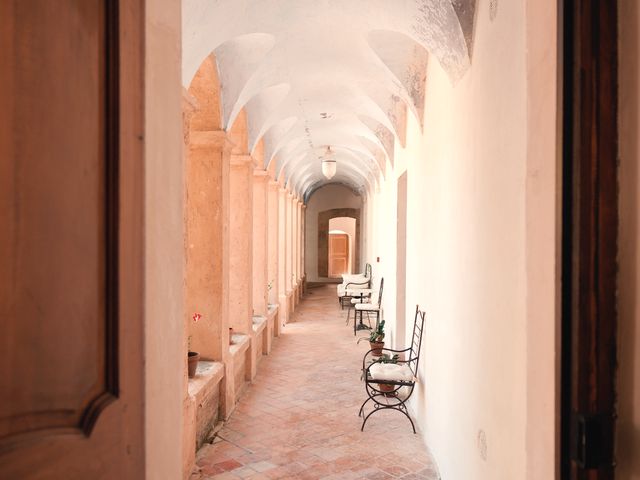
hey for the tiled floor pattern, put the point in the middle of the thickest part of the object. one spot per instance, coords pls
(299, 419)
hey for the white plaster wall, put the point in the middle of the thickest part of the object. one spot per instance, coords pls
(628, 428)
(348, 226)
(325, 198)
(467, 245)
(164, 233)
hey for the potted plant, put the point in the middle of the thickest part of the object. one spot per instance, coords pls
(383, 387)
(376, 339)
(193, 357)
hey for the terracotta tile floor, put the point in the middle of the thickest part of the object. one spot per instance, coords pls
(299, 419)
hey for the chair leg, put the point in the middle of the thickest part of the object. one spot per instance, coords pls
(355, 321)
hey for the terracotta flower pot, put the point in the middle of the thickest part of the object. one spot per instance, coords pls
(193, 359)
(386, 389)
(376, 348)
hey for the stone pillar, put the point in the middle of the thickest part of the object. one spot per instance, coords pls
(282, 256)
(303, 235)
(207, 246)
(207, 240)
(272, 248)
(260, 242)
(296, 250)
(241, 244)
(299, 246)
(241, 257)
(289, 255)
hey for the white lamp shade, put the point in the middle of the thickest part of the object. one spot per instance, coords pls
(329, 168)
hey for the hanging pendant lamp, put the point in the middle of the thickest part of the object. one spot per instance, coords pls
(328, 164)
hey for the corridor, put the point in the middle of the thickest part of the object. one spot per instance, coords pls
(298, 419)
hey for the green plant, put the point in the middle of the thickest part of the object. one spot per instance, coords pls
(377, 334)
(385, 358)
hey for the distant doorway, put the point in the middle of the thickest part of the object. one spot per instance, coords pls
(342, 231)
(338, 254)
(338, 220)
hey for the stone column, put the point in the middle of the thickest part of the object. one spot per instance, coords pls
(296, 250)
(282, 256)
(207, 240)
(207, 247)
(241, 244)
(272, 248)
(303, 237)
(260, 242)
(289, 256)
(299, 247)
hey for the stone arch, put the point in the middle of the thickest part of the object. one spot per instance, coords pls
(323, 237)
(205, 90)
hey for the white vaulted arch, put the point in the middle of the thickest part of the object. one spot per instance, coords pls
(316, 74)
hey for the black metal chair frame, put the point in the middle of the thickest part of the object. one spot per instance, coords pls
(391, 400)
(345, 300)
(361, 326)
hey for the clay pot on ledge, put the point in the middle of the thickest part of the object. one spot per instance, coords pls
(193, 358)
(376, 348)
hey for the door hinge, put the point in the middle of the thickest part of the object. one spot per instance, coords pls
(592, 440)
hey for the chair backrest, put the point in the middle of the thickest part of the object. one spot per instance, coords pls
(416, 340)
(380, 292)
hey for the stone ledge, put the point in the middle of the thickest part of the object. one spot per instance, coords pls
(208, 374)
(259, 324)
(240, 344)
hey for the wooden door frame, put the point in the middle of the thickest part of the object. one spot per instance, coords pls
(323, 238)
(589, 240)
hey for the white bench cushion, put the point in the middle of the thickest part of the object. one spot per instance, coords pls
(356, 278)
(391, 371)
(367, 307)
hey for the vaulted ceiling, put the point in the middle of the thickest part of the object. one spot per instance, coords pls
(318, 73)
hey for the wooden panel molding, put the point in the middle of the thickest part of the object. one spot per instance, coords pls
(59, 191)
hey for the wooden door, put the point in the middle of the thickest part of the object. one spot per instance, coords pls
(590, 225)
(70, 240)
(338, 254)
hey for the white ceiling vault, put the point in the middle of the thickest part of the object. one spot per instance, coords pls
(318, 73)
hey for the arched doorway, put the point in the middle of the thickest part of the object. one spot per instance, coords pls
(324, 219)
(342, 234)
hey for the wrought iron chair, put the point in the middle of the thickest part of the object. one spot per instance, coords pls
(363, 296)
(353, 282)
(375, 306)
(390, 389)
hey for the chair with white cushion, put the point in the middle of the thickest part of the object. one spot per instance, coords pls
(353, 282)
(372, 307)
(390, 381)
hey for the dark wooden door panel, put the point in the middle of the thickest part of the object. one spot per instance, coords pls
(58, 220)
(590, 222)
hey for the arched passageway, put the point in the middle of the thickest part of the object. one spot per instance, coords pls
(123, 224)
